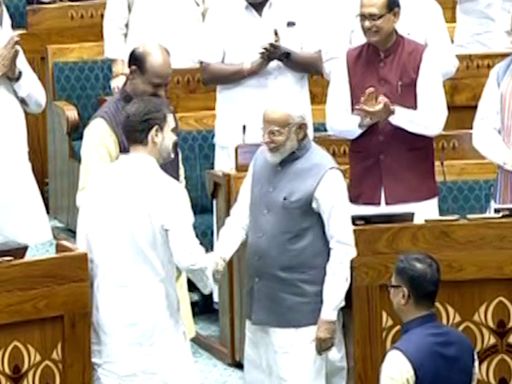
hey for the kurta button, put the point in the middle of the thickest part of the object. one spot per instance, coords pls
(271, 189)
(265, 211)
(381, 157)
(256, 279)
(381, 138)
(381, 64)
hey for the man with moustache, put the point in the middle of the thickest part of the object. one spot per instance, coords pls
(293, 211)
(387, 97)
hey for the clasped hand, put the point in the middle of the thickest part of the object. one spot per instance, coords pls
(373, 107)
(218, 269)
(8, 55)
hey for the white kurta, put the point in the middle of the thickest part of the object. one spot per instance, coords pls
(136, 224)
(289, 353)
(483, 26)
(236, 34)
(176, 24)
(23, 216)
(428, 119)
(420, 20)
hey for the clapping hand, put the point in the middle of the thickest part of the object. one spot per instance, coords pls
(8, 55)
(274, 51)
(374, 108)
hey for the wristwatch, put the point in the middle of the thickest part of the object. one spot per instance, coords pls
(15, 79)
(285, 56)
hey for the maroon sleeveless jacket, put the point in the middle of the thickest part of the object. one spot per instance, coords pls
(384, 155)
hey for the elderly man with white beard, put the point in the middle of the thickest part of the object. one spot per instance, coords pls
(293, 210)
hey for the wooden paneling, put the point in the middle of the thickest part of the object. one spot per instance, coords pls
(474, 297)
(449, 7)
(45, 320)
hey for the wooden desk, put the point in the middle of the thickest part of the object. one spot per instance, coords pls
(45, 319)
(475, 295)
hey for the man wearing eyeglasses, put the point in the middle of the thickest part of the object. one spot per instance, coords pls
(387, 97)
(293, 211)
(420, 20)
(427, 352)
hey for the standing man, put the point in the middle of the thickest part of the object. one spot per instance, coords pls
(427, 352)
(492, 128)
(258, 51)
(23, 217)
(293, 211)
(175, 24)
(104, 140)
(136, 225)
(388, 99)
(420, 20)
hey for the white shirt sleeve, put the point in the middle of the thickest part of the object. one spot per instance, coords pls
(29, 89)
(439, 41)
(338, 109)
(396, 369)
(487, 124)
(187, 252)
(234, 231)
(431, 111)
(331, 202)
(115, 28)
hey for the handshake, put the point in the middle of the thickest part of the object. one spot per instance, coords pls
(373, 108)
(217, 268)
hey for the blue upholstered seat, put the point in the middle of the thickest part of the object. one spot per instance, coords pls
(82, 83)
(463, 197)
(197, 149)
(18, 12)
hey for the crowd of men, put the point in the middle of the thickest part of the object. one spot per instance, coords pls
(294, 208)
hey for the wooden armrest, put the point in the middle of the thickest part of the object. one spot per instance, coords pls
(70, 113)
(65, 246)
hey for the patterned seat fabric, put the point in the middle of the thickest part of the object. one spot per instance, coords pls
(197, 150)
(464, 197)
(18, 12)
(82, 83)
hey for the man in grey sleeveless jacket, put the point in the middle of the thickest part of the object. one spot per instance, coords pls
(293, 211)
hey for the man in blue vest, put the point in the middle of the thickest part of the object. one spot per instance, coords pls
(428, 352)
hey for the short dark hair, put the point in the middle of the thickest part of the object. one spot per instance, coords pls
(420, 274)
(138, 59)
(393, 4)
(141, 115)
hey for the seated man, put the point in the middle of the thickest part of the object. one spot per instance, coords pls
(104, 141)
(492, 128)
(428, 352)
(388, 98)
(136, 225)
(292, 209)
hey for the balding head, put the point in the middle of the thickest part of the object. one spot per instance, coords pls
(150, 71)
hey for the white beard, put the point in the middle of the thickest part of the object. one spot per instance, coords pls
(289, 146)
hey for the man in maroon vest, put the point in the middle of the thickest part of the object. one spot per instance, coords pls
(388, 98)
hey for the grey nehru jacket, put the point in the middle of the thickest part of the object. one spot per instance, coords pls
(287, 249)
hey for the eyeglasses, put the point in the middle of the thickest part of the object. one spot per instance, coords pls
(391, 286)
(276, 132)
(375, 18)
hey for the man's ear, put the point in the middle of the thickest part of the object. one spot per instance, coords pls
(302, 131)
(155, 134)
